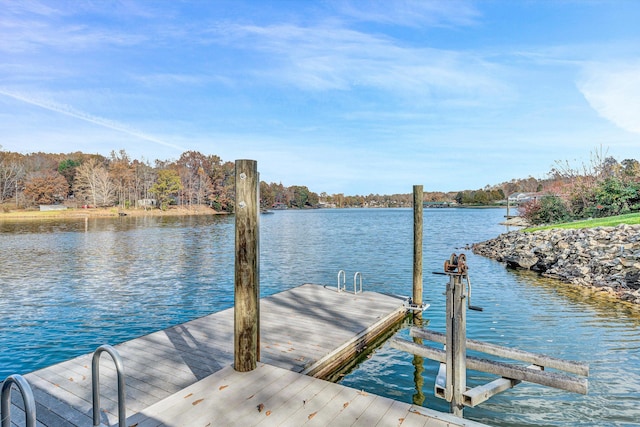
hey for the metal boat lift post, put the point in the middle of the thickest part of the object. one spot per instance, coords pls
(456, 348)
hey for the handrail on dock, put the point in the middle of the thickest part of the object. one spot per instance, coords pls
(95, 384)
(27, 397)
(354, 282)
(344, 280)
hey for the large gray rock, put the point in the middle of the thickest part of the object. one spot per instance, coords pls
(632, 278)
(520, 261)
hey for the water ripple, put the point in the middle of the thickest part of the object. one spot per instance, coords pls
(67, 287)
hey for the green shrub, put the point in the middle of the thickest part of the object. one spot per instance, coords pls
(549, 209)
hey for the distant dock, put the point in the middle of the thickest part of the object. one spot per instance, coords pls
(183, 375)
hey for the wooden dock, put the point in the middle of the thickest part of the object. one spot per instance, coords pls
(182, 376)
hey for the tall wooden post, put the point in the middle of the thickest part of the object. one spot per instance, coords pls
(456, 348)
(418, 361)
(418, 197)
(247, 277)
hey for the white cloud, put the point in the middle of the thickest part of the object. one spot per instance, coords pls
(411, 13)
(323, 58)
(72, 112)
(613, 91)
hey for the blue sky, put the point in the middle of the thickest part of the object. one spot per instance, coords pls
(353, 97)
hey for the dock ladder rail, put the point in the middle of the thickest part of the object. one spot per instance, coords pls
(95, 384)
(355, 276)
(344, 281)
(27, 397)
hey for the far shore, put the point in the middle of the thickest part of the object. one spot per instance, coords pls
(20, 214)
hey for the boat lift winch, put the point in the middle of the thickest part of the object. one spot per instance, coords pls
(451, 383)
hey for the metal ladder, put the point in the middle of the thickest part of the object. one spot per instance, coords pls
(95, 384)
(27, 397)
(343, 286)
(344, 281)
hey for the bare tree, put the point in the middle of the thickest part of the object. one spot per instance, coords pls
(93, 184)
(144, 178)
(122, 176)
(11, 175)
(194, 169)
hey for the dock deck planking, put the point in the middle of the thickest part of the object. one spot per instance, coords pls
(300, 329)
(272, 396)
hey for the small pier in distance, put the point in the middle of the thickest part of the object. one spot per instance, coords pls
(183, 375)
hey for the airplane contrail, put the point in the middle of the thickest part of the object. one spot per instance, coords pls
(72, 112)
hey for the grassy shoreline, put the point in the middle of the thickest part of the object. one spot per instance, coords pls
(611, 221)
(104, 212)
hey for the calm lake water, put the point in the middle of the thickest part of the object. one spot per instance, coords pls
(67, 287)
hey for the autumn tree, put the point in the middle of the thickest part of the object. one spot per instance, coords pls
(167, 185)
(36, 162)
(122, 176)
(267, 195)
(223, 189)
(630, 169)
(67, 168)
(302, 197)
(45, 187)
(93, 184)
(195, 171)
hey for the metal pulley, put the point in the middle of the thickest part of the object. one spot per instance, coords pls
(456, 264)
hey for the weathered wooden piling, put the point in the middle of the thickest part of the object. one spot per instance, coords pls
(418, 196)
(418, 361)
(247, 277)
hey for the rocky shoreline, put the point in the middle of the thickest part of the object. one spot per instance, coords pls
(604, 258)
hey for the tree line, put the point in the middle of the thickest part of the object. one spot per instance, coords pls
(602, 187)
(194, 179)
(79, 179)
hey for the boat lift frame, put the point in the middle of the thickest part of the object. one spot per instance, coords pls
(451, 383)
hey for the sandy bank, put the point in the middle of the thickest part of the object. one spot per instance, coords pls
(106, 212)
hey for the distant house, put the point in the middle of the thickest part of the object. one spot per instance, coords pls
(279, 206)
(326, 205)
(518, 198)
(147, 203)
(436, 204)
(44, 208)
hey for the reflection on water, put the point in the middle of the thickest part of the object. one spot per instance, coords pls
(418, 363)
(68, 286)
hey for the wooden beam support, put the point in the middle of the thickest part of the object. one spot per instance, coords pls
(477, 395)
(522, 373)
(247, 277)
(578, 368)
(482, 393)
